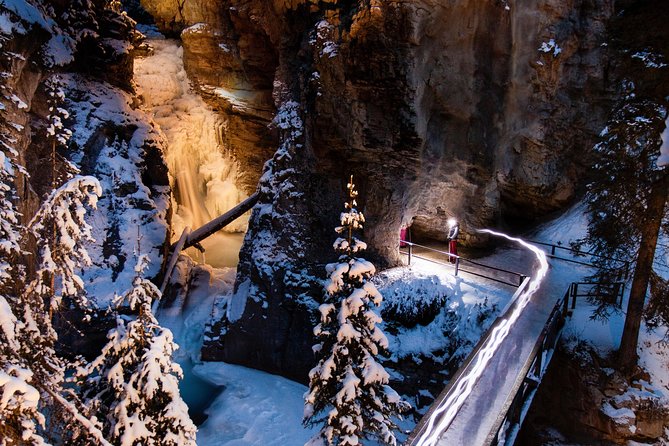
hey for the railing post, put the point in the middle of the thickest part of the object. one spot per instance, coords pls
(410, 247)
(627, 270)
(553, 250)
(574, 292)
(565, 303)
(457, 265)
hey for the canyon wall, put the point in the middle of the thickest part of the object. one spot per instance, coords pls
(87, 51)
(475, 110)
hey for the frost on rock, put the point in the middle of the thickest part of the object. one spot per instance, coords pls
(649, 59)
(323, 39)
(550, 47)
(126, 158)
(348, 388)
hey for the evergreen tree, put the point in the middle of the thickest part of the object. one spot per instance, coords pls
(626, 203)
(348, 389)
(19, 400)
(34, 405)
(56, 131)
(60, 220)
(31, 373)
(133, 385)
(657, 310)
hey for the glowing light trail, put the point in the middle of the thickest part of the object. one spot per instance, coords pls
(446, 412)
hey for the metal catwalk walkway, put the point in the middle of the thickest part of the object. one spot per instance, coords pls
(480, 420)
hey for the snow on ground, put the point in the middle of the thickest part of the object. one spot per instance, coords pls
(464, 295)
(255, 408)
(605, 335)
(186, 320)
(251, 408)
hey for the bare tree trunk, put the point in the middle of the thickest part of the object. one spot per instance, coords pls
(627, 354)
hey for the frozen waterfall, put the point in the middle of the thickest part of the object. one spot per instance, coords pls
(202, 176)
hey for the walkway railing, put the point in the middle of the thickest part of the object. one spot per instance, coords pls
(507, 426)
(465, 367)
(554, 249)
(611, 292)
(459, 264)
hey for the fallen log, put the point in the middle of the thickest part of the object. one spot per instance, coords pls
(193, 238)
(219, 222)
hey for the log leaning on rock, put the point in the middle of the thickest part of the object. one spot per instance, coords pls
(193, 238)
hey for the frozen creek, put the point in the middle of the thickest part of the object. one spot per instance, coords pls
(201, 175)
(203, 183)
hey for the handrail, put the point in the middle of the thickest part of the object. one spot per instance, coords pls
(578, 252)
(619, 287)
(506, 426)
(452, 383)
(457, 260)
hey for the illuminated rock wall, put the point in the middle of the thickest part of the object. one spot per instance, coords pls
(479, 110)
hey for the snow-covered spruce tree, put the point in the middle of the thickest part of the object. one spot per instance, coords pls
(19, 400)
(60, 220)
(133, 385)
(31, 373)
(56, 131)
(627, 203)
(348, 389)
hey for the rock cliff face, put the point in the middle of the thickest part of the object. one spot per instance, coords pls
(478, 110)
(602, 405)
(466, 109)
(68, 42)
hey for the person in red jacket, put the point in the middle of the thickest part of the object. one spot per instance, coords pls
(453, 233)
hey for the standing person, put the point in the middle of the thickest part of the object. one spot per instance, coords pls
(405, 233)
(453, 233)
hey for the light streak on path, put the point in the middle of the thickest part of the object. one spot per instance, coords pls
(447, 410)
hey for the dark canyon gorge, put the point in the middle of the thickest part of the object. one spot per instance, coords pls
(484, 111)
(461, 109)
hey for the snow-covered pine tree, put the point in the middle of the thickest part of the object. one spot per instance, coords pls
(133, 385)
(60, 220)
(56, 132)
(32, 372)
(25, 398)
(348, 389)
(19, 400)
